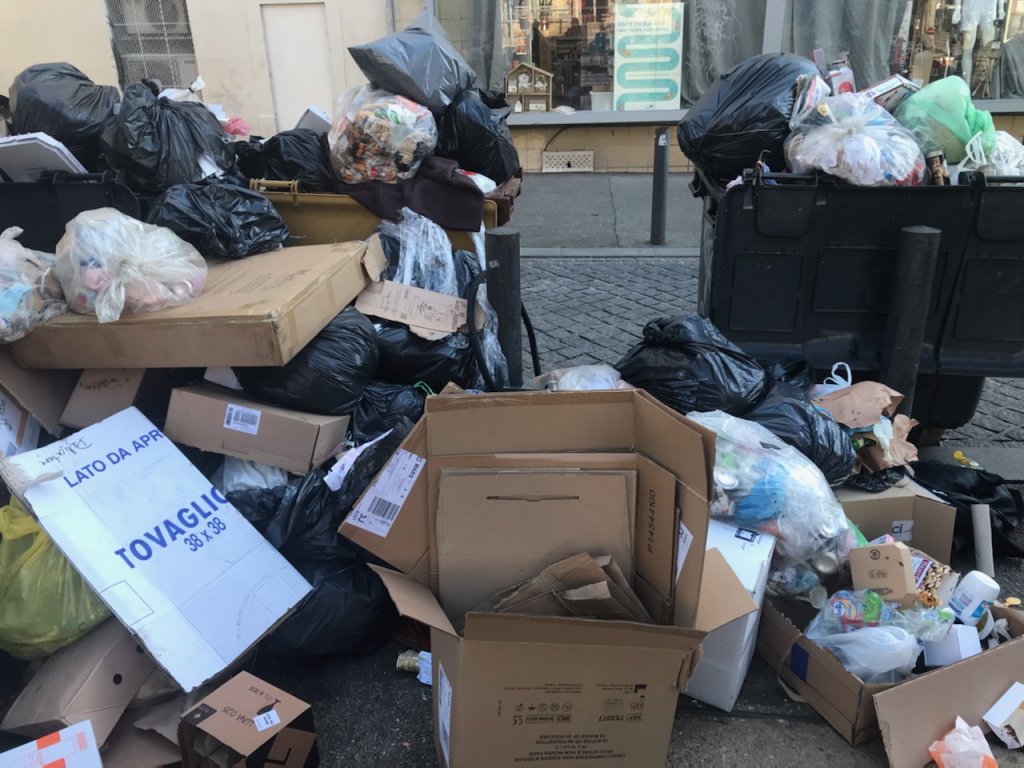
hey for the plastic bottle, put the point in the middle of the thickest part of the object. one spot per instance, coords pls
(973, 596)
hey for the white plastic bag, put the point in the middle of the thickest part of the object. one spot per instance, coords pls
(108, 263)
(875, 654)
(840, 378)
(244, 475)
(582, 377)
(963, 747)
(29, 291)
(851, 137)
(378, 136)
(1007, 159)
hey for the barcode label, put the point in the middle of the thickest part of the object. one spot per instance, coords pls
(444, 712)
(377, 511)
(242, 419)
(266, 720)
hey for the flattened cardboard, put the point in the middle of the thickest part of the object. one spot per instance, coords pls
(260, 310)
(496, 529)
(176, 563)
(429, 314)
(71, 747)
(909, 513)
(887, 569)
(42, 393)
(915, 713)
(259, 723)
(295, 441)
(100, 394)
(92, 679)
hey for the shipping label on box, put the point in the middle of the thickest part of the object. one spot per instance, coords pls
(177, 564)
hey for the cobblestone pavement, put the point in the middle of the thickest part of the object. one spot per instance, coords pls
(591, 310)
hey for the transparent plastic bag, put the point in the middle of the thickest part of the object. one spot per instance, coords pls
(963, 747)
(761, 482)
(494, 356)
(848, 610)
(582, 377)
(875, 654)
(425, 254)
(378, 136)
(29, 292)
(44, 603)
(851, 137)
(109, 263)
(942, 118)
(1006, 158)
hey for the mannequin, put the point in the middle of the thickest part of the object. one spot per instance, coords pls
(977, 18)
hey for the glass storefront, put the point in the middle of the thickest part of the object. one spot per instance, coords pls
(649, 55)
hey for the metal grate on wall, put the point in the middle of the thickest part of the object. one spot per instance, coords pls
(567, 161)
(152, 40)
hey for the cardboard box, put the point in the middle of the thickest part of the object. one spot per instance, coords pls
(44, 394)
(909, 513)
(102, 393)
(1006, 717)
(961, 643)
(512, 688)
(93, 680)
(71, 747)
(392, 519)
(888, 569)
(260, 310)
(19, 431)
(891, 92)
(222, 421)
(728, 651)
(247, 722)
(146, 738)
(176, 563)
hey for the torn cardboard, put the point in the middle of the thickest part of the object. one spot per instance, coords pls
(176, 563)
(429, 314)
(247, 722)
(93, 679)
(223, 421)
(146, 738)
(99, 394)
(260, 310)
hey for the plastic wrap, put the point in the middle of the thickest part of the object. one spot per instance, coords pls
(494, 356)
(762, 483)
(328, 375)
(244, 475)
(477, 138)
(789, 415)
(221, 220)
(109, 263)
(744, 117)
(875, 654)
(59, 100)
(44, 603)
(851, 137)
(425, 254)
(581, 377)
(419, 63)
(942, 118)
(29, 291)
(378, 136)
(852, 610)
(689, 365)
(382, 407)
(1006, 159)
(963, 747)
(301, 155)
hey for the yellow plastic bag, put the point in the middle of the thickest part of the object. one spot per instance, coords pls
(44, 602)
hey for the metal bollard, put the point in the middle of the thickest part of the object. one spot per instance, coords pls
(504, 291)
(659, 191)
(908, 314)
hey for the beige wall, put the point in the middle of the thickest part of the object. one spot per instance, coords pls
(1011, 124)
(616, 148)
(56, 30)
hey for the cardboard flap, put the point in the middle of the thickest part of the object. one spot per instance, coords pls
(44, 394)
(916, 713)
(414, 600)
(723, 597)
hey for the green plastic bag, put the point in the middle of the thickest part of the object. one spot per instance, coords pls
(943, 118)
(44, 602)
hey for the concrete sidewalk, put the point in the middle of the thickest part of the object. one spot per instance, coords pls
(571, 214)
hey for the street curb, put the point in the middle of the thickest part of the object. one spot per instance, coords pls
(641, 252)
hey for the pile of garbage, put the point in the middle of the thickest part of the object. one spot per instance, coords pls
(782, 111)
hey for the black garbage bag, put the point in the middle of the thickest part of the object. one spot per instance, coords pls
(158, 143)
(370, 462)
(419, 63)
(60, 100)
(744, 114)
(476, 137)
(299, 154)
(258, 505)
(876, 482)
(348, 611)
(330, 373)
(382, 407)
(249, 158)
(686, 363)
(962, 487)
(789, 414)
(798, 372)
(221, 220)
(408, 359)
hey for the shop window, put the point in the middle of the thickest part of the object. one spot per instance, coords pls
(152, 40)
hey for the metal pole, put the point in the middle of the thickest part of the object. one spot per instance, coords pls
(659, 193)
(908, 310)
(504, 291)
